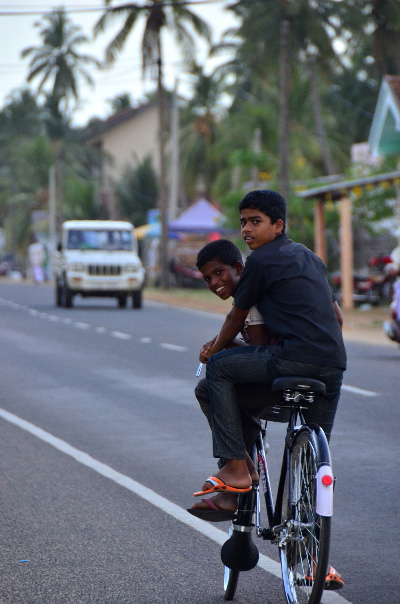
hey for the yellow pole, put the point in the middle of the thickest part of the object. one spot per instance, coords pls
(346, 252)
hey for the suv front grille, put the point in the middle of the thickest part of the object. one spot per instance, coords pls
(104, 269)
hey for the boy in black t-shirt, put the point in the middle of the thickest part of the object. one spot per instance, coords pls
(289, 285)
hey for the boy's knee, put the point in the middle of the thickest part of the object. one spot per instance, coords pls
(201, 390)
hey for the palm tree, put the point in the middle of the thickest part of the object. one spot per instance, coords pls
(198, 132)
(57, 60)
(157, 14)
(271, 35)
(59, 65)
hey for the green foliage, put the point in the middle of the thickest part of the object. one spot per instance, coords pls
(32, 164)
(137, 192)
(81, 201)
(120, 102)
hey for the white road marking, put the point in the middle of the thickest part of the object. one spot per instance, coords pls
(173, 347)
(120, 335)
(148, 495)
(145, 340)
(81, 325)
(100, 330)
(359, 390)
(53, 318)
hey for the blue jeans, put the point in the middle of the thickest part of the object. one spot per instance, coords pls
(257, 365)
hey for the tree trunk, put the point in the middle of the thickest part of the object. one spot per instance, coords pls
(323, 141)
(284, 68)
(175, 172)
(58, 188)
(163, 197)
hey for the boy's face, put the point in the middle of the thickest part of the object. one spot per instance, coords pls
(222, 279)
(256, 228)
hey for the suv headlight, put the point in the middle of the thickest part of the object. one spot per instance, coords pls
(132, 268)
(76, 267)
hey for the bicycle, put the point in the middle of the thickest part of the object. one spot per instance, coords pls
(300, 521)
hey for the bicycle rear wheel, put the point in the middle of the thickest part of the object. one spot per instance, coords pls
(304, 550)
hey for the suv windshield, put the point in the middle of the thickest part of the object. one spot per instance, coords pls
(99, 240)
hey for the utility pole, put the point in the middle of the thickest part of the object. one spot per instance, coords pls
(256, 149)
(284, 69)
(52, 214)
(175, 160)
(163, 198)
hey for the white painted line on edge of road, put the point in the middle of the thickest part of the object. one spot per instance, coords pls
(147, 494)
(359, 390)
(173, 347)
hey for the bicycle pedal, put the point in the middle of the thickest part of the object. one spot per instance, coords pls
(268, 534)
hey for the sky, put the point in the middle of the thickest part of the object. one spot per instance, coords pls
(17, 31)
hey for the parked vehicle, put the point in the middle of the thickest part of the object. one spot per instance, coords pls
(374, 287)
(98, 258)
(365, 289)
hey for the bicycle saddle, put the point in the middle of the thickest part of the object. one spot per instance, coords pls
(303, 384)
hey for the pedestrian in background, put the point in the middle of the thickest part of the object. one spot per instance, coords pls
(36, 259)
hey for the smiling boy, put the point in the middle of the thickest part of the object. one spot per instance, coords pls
(221, 264)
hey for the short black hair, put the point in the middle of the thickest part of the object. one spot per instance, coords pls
(270, 203)
(222, 250)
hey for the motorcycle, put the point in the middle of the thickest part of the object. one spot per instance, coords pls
(372, 288)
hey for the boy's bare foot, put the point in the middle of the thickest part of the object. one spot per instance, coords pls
(251, 469)
(234, 474)
(223, 501)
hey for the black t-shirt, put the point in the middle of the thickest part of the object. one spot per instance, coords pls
(288, 283)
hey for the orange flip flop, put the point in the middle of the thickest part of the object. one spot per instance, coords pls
(220, 485)
(333, 580)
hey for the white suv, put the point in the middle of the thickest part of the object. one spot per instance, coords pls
(98, 258)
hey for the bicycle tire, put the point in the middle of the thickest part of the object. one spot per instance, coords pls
(231, 578)
(304, 553)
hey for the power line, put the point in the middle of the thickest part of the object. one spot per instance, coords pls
(23, 13)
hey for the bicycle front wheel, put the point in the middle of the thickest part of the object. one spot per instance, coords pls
(304, 549)
(231, 578)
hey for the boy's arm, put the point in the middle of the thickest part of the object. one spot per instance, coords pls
(233, 323)
(338, 313)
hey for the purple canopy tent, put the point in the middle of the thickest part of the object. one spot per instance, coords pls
(201, 217)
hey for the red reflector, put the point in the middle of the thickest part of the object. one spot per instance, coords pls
(327, 480)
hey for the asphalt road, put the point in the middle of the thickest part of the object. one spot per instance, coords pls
(102, 445)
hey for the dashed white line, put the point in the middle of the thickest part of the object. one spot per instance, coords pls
(145, 340)
(173, 347)
(100, 330)
(81, 325)
(166, 506)
(120, 335)
(356, 390)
